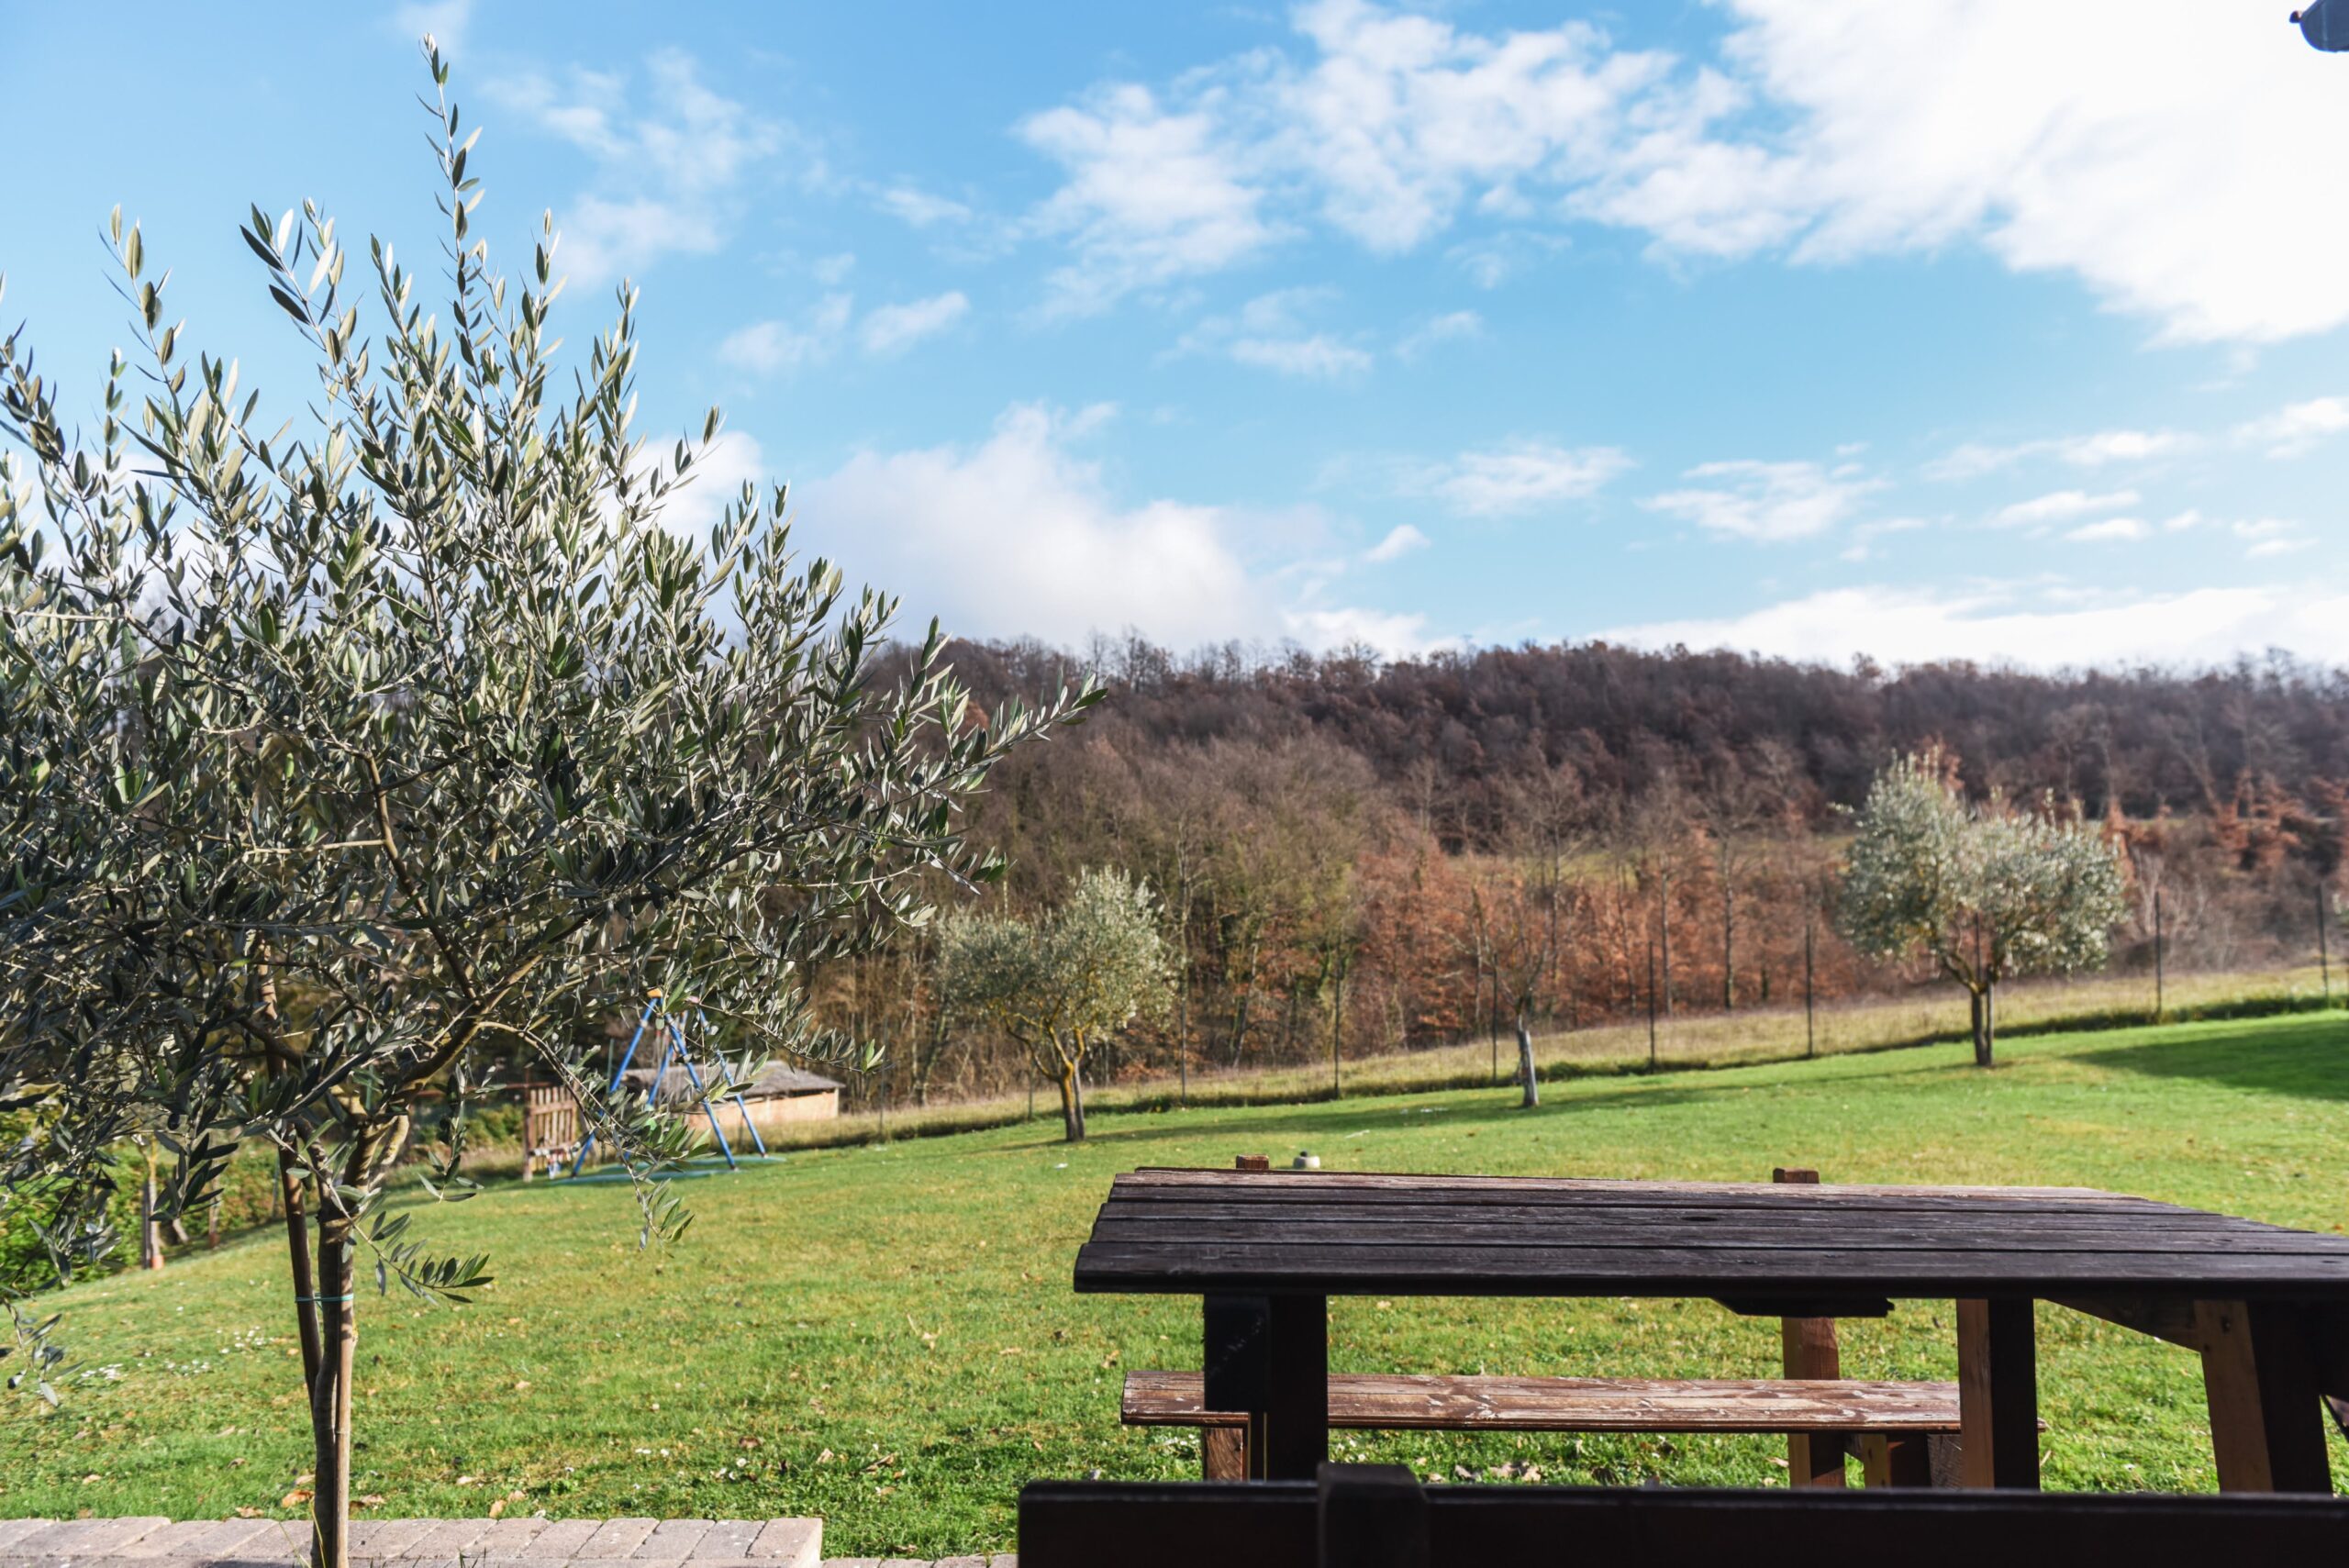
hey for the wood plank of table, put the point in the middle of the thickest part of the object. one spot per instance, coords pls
(1748, 1274)
(1114, 1227)
(1176, 1230)
(1122, 1206)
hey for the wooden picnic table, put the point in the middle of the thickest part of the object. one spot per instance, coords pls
(2266, 1307)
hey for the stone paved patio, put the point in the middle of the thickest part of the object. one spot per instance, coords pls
(442, 1543)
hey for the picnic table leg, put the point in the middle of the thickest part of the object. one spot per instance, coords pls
(1998, 1394)
(1236, 1374)
(1808, 1348)
(1297, 1442)
(1268, 1355)
(2260, 1377)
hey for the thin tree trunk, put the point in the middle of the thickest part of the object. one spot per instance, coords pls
(150, 1229)
(1337, 1039)
(1183, 993)
(330, 1410)
(1525, 1060)
(1729, 940)
(1663, 943)
(1982, 1024)
(1072, 1102)
(309, 1312)
(339, 1352)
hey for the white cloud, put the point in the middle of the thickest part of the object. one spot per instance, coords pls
(1996, 624)
(2296, 427)
(1864, 535)
(1320, 356)
(2061, 141)
(1020, 536)
(893, 328)
(770, 348)
(1270, 332)
(1522, 476)
(2099, 449)
(1456, 326)
(1401, 541)
(2265, 538)
(1152, 196)
(2113, 530)
(713, 484)
(444, 21)
(1402, 120)
(920, 210)
(1392, 634)
(666, 179)
(2061, 506)
(1768, 501)
(1823, 130)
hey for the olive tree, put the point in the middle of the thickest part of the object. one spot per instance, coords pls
(341, 758)
(1060, 984)
(1987, 892)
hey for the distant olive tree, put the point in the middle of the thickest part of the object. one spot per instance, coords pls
(338, 758)
(1988, 892)
(1059, 986)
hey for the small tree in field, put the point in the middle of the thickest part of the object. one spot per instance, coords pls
(1986, 893)
(1060, 985)
(337, 761)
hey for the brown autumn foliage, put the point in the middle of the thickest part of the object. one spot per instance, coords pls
(1366, 857)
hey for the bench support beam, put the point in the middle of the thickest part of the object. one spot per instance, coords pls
(2260, 1377)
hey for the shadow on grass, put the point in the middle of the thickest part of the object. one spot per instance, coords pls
(2309, 1061)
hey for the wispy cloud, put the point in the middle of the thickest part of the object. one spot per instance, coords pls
(921, 209)
(2111, 531)
(1400, 542)
(2046, 626)
(667, 175)
(1819, 132)
(1520, 477)
(1770, 502)
(771, 348)
(2296, 427)
(1152, 196)
(1453, 327)
(2099, 449)
(1272, 332)
(446, 22)
(2061, 506)
(893, 328)
(2265, 538)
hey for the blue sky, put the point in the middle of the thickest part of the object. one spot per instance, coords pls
(1995, 328)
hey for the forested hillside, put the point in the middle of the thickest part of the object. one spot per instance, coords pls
(1366, 856)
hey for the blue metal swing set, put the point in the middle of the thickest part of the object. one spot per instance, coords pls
(674, 1051)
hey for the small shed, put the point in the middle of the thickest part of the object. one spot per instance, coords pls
(778, 1094)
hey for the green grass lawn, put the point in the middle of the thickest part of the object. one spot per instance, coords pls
(886, 1336)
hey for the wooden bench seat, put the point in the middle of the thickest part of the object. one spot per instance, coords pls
(1381, 1402)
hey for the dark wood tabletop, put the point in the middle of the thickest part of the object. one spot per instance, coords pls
(1195, 1231)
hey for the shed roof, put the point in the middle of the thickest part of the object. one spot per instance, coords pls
(776, 1080)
